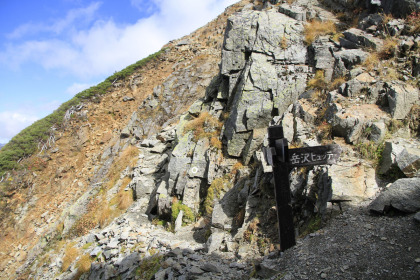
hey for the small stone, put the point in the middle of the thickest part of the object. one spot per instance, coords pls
(368, 227)
(324, 275)
(187, 251)
(210, 268)
(418, 260)
(417, 217)
(383, 238)
(128, 98)
(196, 270)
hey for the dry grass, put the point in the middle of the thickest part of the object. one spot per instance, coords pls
(124, 199)
(236, 167)
(70, 254)
(324, 132)
(414, 21)
(316, 28)
(336, 37)
(204, 126)
(127, 158)
(283, 43)
(98, 214)
(83, 264)
(389, 49)
(318, 82)
(215, 142)
(337, 82)
(104, 216)
(130, 156)
(371, 62)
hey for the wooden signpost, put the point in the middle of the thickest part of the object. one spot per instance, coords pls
(283, 160)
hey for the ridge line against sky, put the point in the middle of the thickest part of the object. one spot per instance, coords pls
(51, 50)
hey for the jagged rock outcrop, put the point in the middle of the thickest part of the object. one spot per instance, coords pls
(258, 84)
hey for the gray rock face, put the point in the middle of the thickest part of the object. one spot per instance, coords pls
(403, 195)
(352, 181)
(355, 38)
(264, 86)
(345, 60)
(389, 155)
(351, 123)
(409, 162)
(296, 12)
(378, 131)
(322, 51)
(401, 98)
(225, 209)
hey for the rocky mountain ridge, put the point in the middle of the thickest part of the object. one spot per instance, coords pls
(166, 177)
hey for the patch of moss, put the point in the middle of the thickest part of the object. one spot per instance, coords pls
(313, 225)
(214, 191)
(148, 267)
(177, 206)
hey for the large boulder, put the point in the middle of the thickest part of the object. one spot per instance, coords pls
(403, 195)
(409, 162)
(352, 181)
(389, 155)
(350, 123)
(345, 60)
(355, 38)
(401, 98)
(363, 86)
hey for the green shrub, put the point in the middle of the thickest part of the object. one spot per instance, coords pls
(312, 225)
(215, 190)
(177, 206)
(371, 151)
(26, 142)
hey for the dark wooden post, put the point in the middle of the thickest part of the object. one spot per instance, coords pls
(280, 159)
(283, 160)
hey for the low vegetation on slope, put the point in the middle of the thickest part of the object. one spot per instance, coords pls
(26, 142)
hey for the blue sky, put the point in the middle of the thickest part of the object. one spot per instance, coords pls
(52, 49)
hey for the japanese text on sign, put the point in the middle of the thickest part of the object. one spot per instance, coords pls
(297, 158)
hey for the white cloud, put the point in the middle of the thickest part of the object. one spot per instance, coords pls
(106, 47)
(144, 5)
(12, 123)
(73, 17)
(77, 87)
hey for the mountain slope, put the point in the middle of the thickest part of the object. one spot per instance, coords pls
(164, 175)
